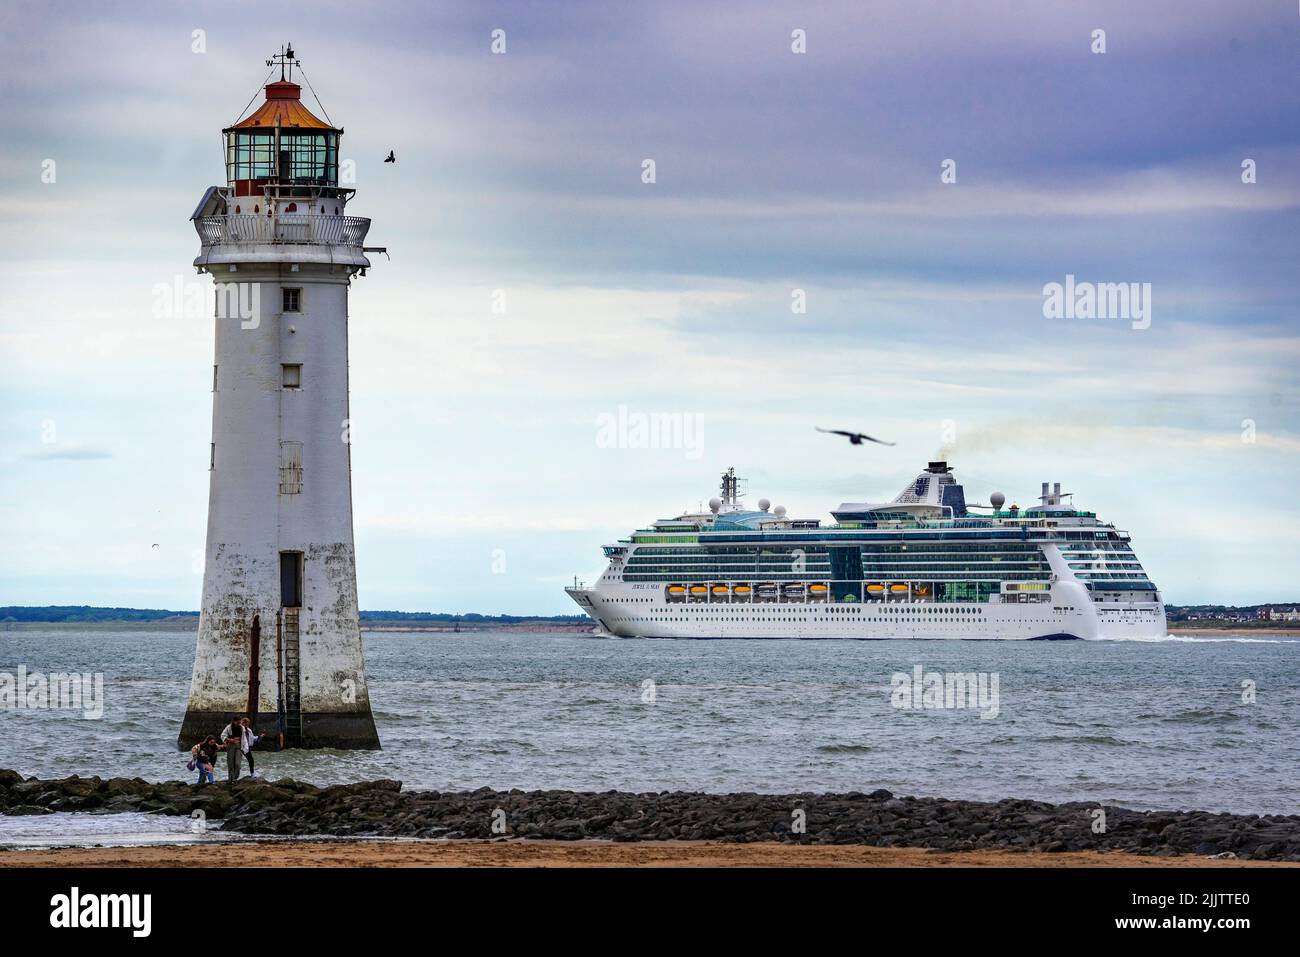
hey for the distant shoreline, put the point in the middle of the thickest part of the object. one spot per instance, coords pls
(431, 627)
(1202, 629)
(582, 627)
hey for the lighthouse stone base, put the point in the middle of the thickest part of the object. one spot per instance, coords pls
(350, 732)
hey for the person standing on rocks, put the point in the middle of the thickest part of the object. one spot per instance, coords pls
(248, 738)
(232, 739)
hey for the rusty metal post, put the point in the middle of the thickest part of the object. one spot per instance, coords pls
(254, 653)
(279, 677)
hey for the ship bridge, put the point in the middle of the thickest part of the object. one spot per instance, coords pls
(935, 493)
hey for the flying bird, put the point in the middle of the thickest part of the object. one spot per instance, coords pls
(154, 545)
(854, 437)
(390, 158)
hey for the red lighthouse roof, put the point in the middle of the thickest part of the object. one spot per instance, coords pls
(283, 107)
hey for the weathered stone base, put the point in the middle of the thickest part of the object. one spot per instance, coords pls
(348, 731)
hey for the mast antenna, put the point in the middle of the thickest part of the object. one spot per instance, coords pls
(284, 59)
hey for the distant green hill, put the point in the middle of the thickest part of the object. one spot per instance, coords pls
(92, 613)
(75, 613)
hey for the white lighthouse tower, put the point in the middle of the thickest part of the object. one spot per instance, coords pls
(279, 636)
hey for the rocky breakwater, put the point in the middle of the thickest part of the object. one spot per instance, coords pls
(382, 809)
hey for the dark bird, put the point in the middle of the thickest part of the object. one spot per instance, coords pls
(854, 437)
(154, 545)
(390, 158)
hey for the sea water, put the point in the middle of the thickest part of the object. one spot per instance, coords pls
(1184, 723)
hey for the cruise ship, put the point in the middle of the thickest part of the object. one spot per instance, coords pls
(925, 565)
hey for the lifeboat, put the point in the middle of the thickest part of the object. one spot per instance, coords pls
(742, 590)
(720, 589)
(793, 589)
(817, 589)
(676, 589)
(875, 588)
(898, 589)
(768, 589)
(699, 590)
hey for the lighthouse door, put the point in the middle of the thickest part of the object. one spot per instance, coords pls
(291, 579)
(291, 669)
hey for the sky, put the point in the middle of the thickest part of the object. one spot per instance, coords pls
(854, 236)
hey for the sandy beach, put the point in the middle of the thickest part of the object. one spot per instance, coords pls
(519, 853)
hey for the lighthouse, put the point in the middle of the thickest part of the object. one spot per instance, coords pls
(279, 636)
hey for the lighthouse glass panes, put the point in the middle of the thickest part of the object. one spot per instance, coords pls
(308, 158)
(312, 157)
(250, 155)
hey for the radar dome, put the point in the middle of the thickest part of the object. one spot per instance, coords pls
(779, 511)
(998, 500)
(764, 505)
(715, 504)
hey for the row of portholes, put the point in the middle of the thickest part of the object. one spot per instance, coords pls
(291, 208)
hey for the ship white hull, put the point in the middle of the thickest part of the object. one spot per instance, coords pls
(630, 611)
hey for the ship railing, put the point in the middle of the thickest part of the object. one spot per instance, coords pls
(293, 228)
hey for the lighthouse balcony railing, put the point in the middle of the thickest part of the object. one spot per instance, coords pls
(292, 228)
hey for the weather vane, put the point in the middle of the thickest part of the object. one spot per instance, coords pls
(284, 58)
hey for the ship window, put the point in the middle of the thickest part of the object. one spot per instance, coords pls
(291, 375)
(291, 299)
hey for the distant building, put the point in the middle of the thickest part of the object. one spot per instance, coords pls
(1280, 614)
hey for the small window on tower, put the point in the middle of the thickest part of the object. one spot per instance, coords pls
(292, 299)
(212, 456)
(214, 378)
(291, 375)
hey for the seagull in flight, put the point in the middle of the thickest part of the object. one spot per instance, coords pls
(390, 158)
(854, 437)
